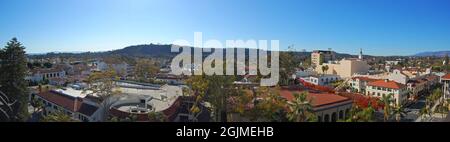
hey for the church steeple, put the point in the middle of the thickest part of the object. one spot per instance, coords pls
(360, 54)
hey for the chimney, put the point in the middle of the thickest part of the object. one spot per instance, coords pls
(386, 80)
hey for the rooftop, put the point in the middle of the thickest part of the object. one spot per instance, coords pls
(446, 77)
(74, 104)
(72, 92)
(386, 84)
(362, 78)
(317, 99)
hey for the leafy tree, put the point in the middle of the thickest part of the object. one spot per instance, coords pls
(157, 116)
(13, 64)
(48, 65)
(57, 116)
(288, 66)
(145, 69)
(199, 86)
(103, 86)
(362, 114)
(301, 109)
(273, 106)
(37, 105)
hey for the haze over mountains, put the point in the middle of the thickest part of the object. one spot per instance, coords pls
(436, 53)
(164, 51)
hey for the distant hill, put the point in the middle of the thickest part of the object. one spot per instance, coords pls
(437, 53)
(154, 50)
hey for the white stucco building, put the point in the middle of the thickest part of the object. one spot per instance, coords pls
(386, 87)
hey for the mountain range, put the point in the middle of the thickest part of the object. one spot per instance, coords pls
(436, 53)
(164, 51)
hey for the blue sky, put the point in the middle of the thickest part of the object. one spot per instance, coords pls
(380, 27)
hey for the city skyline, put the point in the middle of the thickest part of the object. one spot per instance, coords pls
(380, 27)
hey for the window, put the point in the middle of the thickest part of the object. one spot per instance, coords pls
(327, 118)
(334, 117)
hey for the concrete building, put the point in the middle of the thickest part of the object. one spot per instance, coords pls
(398, 76)
(38, 75)
(71, 102)
(385, 87)
(321, 56)
(321, 80)
(359, 83)
(140, 99)
(327, 107)
(345, 68)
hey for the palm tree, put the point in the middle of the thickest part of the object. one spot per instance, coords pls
(386, 100)
(300, 109)
(399, 112)
(367, 114)
(423, 112)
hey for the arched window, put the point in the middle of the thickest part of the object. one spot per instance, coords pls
(347, 112)
(327, 118)
(334, 117)
(319, 118)
(341, 114)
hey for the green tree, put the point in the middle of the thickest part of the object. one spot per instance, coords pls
(361, 114)
(145, 69)
(387, 101)
(399, 112)
(157, 116)
(301, 109)
(13, 64)
(48, 65)
(57, 116)
(199, 86)
(288, 65)
(103, 86)
(273, 106)
(37, 105)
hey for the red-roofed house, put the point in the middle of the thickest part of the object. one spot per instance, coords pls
(327, 107)
(386, 87)
(76, 107)
(446, 81)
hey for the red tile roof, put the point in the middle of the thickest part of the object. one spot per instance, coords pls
(317, 99)
(68, 102)
(446, 77)
(386, 84)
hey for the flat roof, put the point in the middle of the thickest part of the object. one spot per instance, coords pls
(72, 92)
